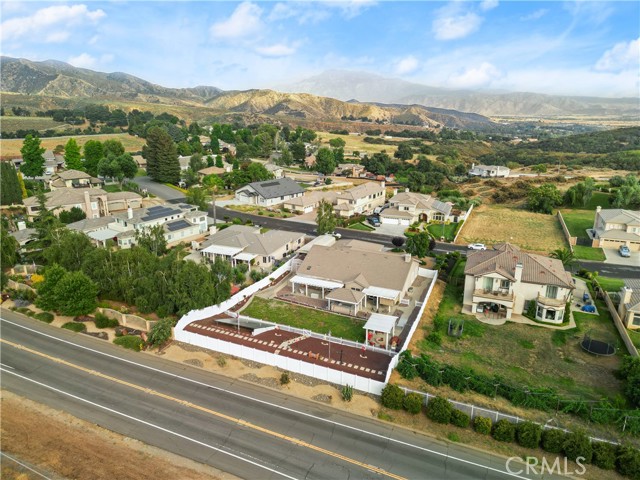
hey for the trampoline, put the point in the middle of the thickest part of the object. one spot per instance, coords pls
(596, 346)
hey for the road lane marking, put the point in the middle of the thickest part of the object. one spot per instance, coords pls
(129, 417)
(269, 404)
(6, 366)
(23, 465)
(215, 413)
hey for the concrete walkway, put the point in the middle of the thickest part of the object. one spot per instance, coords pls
(519, 319)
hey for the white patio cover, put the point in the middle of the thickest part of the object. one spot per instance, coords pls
(381, 323)
(245, 257)
(222, 250)
(381, 292)
(316, 282)
(102, 235)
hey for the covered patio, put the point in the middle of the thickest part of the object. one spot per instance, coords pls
(379, 329)
(301, 285)
(345, 300)
(382, 296)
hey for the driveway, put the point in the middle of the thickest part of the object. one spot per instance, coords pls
(613, 257)
(389, 229)
(168, 194)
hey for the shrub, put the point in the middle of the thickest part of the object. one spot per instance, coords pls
(577, 444)
(459, 418)
(44, 317)
(482, 425)
(412, 403)
(221, 360)
(102, 321)
(504, 431)
(132, 342)
(434, 338)
(604, 455)
(529, 434)
(628, 461)
(439, 410)
(392, 397)
(553, 440)
(284, 378)
(75, 326)
(347, 393)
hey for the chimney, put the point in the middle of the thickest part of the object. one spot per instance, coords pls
(518, 272)
(129, 213)
(21, 225)
(473, 165)
(382, 184)
(407, 258)
(87, 205)
(625, 298)
(598, 208)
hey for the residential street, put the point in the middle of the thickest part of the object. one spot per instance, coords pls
(240, 428)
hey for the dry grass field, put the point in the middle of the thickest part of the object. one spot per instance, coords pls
(11, 123)
(491, 224)
(356, 142)
(11, 147)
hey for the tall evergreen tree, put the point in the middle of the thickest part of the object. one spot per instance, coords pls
(33, 160)
(10, 190)
(93, 153)
(162, 156)
(72, 156)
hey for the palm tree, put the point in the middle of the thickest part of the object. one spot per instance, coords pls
(565, 255)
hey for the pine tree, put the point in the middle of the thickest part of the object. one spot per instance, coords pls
(93, 153)
(162, 156)
(33, 160)
(10, 191)
(72, 156)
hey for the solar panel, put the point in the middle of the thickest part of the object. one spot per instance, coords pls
(177, 225)
(159, 211)
(270, 184)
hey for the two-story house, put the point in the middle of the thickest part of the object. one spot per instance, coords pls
(506, 280)
(488, 171)
(629, 307)
(73, 179)
(407, 207)
(361, 199)
(613, 227)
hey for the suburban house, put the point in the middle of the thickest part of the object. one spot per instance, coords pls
(505, 281)
(23, 235)
(246, 244)
(227, 147)
(94, 202)
(349, 169)
(629, 308)
(352, 275)
(73, 179)
(270, 192)
(180, 223)
(52, 163)
(184, 160)
(361, 199)
(97, 229)
(310, 161)
(203, 172)
(276, 170)
(310, 201)
(407, 207)
(488, 171)
(613, 227)
(141, 162)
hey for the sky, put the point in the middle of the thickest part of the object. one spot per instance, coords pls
(569, 48)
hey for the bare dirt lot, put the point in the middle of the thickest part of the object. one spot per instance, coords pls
(50, 441)
(491, 224)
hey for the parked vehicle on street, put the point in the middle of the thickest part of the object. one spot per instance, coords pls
(476, 246)
(624, 251)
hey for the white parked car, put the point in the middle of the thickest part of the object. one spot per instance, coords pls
(476, 246)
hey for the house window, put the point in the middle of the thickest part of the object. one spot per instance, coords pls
(487, 283)
(94, 205)
(539, 312)
(265, 259)
(550, 315)
(636, 319)
(505, 284)
(552, 291)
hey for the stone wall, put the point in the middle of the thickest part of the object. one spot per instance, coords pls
(128, 320)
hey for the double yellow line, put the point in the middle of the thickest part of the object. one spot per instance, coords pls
(237, 421)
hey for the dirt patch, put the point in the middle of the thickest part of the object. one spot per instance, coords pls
(426, 321)
(53, 441)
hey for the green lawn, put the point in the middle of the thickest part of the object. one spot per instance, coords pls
(598, 199)
(112, 188)
(578, 221)
(611, 284)
(361, 226)
(301, 317)
(436, 230)
(589, 253)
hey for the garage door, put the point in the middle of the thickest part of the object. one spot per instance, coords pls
(405, 221)
(390, 221)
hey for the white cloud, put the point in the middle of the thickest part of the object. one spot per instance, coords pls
(487, 5)
(535, 15)
(623, 55)
(85, 60)
(406, 65)
(353, 8)
(277, 50)
(475, 77)
(244, 21)
(58, 17)
(453, 22)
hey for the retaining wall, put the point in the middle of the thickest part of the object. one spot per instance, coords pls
(622, 330)
(571, 240)
(128, 320)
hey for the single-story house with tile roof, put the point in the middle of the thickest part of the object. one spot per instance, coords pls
(203, 172)
(310, 201)
(269, 192)
(246, 244)
(629, 307)
(614, 227)
(363, 268)
(406, 208)
(505, 281)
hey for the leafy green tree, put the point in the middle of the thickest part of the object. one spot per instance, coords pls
(221, 277)
(45, 223)
(418, 244)
(74, 215)
(298, 151)
(286, 158)
(32, 156)
(160, 333)
(213, 183)
(404, 152)
(219, 161)
(109, 167)
(325, 161)
(152, 239)
(197, 195)
(263, 143)
(10, 190)
(93, 153)
(75, 294)
(196, 162)
(325, 218)
(337, 142)
(47, 296)
(8, 253)
(113, 147)
(68, 249)
(72, 156)
(566, 256)
(162, 157)
(257, 172)
(544, 199)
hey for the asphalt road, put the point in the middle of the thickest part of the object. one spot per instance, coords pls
(239, 428)
(174, 196)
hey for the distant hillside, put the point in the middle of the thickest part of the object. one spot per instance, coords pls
(367, 87)
(63, 84)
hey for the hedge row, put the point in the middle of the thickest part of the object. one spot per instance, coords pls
(547, 399)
